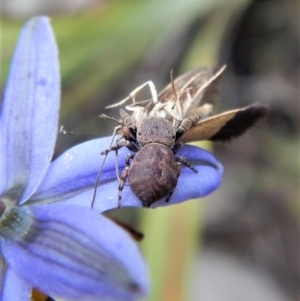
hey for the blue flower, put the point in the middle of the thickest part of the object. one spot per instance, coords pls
(61, 249)
(75, 182)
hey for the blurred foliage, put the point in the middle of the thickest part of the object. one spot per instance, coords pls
(110, 49)
(100, 49)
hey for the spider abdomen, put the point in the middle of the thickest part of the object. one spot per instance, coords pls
(153, 173)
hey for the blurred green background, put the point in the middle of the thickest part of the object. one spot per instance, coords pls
(243, 241)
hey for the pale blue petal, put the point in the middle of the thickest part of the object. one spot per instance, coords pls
(15, 288)
(29, 113)
(72, 176)
(75, 172)
(76, 253)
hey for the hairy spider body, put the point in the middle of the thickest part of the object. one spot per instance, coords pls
(152, 169)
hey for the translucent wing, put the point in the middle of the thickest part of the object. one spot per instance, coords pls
(194, 93)
(181, 81)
